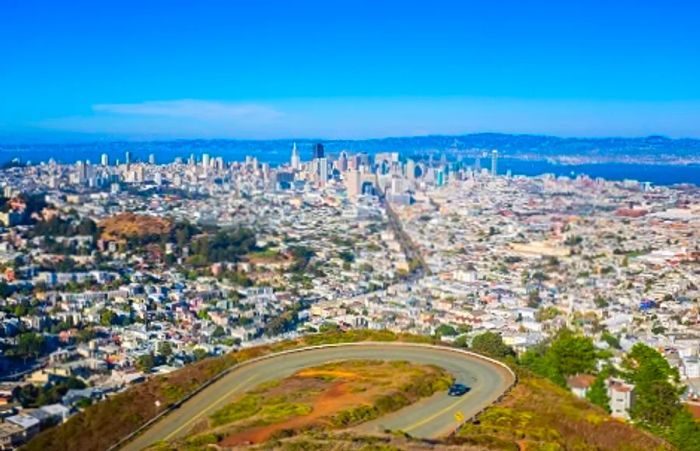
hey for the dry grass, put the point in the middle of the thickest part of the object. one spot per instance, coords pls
(539, 415)
(125, 225)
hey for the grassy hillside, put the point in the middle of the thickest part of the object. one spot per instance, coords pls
(540, 415)
(535, 415)
(105, 423)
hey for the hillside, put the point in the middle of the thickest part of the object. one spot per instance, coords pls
(129, 225)
(535, 415)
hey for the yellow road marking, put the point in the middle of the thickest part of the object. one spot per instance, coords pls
(201, 412)
(432, 417)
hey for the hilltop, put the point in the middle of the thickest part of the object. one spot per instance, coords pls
(537, 414)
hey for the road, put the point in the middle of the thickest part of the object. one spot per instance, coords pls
(431, 417)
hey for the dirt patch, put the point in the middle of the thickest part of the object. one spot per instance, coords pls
(334, 399)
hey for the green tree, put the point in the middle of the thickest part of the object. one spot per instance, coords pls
(655, 405)
(572, 354)
(200, 353)
(445, 330)
(108, 318)
(218, 332)
(29, 345)
(145, 362)
(491, 344)
(598, 393)
(685, 431)
(165, 349)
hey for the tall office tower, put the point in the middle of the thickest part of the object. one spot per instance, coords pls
(353, 182)
(410, 169)
(191, 161)
(206, 160)
(343, 161)
(104, 159)
(477, 164)
(219, 163)
(352, 162)
(296, 160)
(80, 171)
(318, 151)
(323, 170)
(494, 162)
(127, 157)
(364, 160)
(151, 159)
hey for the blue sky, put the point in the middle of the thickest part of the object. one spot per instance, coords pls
(347, 69)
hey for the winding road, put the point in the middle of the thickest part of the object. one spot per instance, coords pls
(431, 417)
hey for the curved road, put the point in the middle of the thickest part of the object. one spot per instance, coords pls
(431, 417)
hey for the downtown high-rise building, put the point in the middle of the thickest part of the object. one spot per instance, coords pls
(494, 162)
(323, 170)
(318, 151)
(353, 182)
(295, 162)
(104, 159)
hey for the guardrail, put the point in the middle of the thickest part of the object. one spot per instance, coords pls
(124, 440)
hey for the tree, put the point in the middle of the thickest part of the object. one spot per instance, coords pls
(685, 431)
(445, 330)
(165, 349)
(218, 332)
(598, 393)
(461, 341)
(572, 354)
(491, 344)
(145, 363)
(656, 388)
(29, 345)
(656, 404)
(108, 317)
(200, 353)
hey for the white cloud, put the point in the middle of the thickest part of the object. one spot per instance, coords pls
(192, 109)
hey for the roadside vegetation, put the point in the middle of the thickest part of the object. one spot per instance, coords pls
(327, 397)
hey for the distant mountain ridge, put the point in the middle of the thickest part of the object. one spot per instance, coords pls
(645, 149)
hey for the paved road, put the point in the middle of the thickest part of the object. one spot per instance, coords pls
(429, 418)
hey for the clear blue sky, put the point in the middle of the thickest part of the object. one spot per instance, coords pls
(265, 69)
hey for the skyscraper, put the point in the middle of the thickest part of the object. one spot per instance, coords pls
(104, 159)
(343, 161)
(318, 151)
(127, 157)
(151, 159)
(353, 182)
(323, 170)
(494, 162)
(295, 161)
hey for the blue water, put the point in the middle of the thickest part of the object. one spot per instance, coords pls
(277, 152)
(656, 174)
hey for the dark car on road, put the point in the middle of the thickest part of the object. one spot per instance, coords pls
(458, 390)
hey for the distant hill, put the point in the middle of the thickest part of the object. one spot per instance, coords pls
(657, 149)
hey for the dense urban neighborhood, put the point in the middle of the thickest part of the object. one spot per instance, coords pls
(116, 272)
